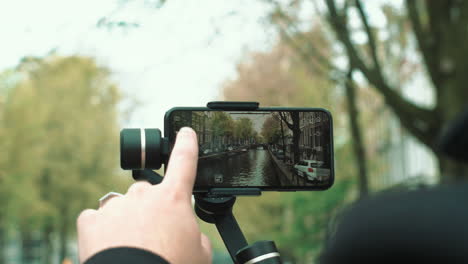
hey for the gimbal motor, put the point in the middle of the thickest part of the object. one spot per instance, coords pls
(142, 148)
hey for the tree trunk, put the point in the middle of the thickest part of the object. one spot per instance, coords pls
(2, 245)
(27, 247)
(47, 244)
(452, 171)
(356, 134)
(63, 239)
(452, 101)
(296, 135)
(284, 145)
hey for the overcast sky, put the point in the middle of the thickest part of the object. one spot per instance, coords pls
(178, 55)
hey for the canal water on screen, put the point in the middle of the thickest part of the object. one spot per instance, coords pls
(251, 168)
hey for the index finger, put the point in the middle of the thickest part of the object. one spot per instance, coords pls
(182, 167)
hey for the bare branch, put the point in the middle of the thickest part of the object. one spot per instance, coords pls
(312, 58)
(284, 118)
(370, 36)
(419, 121)
(320, 66)
(429, 52)
(306, 54)
(358, 144)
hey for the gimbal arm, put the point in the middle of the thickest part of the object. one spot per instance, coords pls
(218, 211)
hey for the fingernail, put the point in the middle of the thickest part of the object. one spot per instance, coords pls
(186, 130)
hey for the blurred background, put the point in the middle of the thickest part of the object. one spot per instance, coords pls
(73, 73)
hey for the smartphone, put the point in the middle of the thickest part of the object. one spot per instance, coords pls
(274, 149)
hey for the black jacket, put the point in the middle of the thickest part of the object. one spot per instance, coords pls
(425, 226)
(125, 255)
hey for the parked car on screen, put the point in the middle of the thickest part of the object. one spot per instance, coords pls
(207, 151)
(279, 154)
(311, 170)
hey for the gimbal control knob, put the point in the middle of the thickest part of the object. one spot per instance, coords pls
(261, 252)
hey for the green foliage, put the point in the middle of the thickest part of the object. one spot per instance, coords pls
(310, 218)
(222, 124)
(244, 128)
(315, 213)
(271, 130)
(59, 141)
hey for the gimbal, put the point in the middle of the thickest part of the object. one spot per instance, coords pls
(142, 150)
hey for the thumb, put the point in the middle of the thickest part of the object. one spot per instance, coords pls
(182, 167)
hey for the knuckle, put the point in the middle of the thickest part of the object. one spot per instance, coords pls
(158, 192)
(186, 152)
(86, 216)
(175, 196)
(139, 187)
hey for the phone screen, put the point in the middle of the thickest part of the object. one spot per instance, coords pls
(268, 149)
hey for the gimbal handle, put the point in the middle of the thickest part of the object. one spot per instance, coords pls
(218, 211)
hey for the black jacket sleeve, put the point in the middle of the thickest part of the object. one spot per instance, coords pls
(125, 255)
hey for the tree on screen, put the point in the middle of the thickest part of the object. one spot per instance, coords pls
(291, 120)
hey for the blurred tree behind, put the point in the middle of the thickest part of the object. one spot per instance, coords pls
(59, 134)
(420, 41)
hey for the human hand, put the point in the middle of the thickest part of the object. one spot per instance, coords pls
(158, 218)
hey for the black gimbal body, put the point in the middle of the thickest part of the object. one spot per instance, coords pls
(142, 150)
